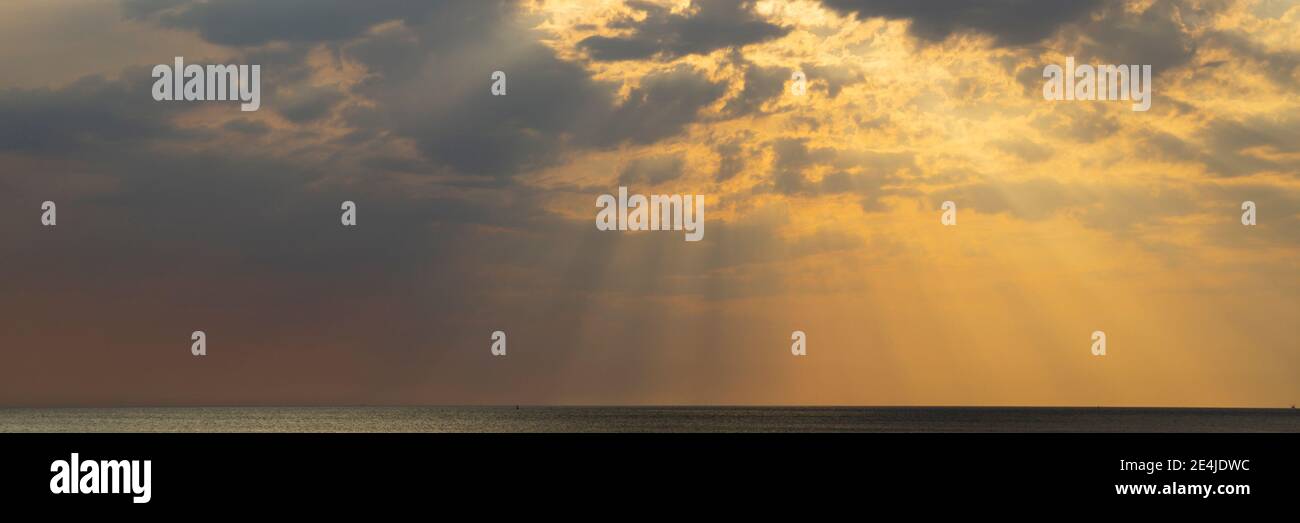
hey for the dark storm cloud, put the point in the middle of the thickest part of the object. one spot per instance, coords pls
(731, 159)
(1010, 22)
(1079, 122)
(93, 112)
(550, 104)
(261, 210)
(792, 157)
(96, 112)
(834, 78)
(254, 22)
(761, 84)
(707, 26)
(866, 173)
(309, 103)
(246, 126)
(1229, 144)
(188, 203)
(453, 119)
(1228, 147)
(1282, 66)
(188, 209)
(664, 104)
(1152, 37)
(653, 170)
(1168, 35)
(137, 9)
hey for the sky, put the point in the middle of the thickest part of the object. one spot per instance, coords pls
(475, 212)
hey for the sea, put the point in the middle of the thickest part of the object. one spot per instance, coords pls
(508, 419)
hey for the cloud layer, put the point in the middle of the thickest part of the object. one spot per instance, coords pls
(475, 210)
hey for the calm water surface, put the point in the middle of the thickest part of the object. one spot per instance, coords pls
(644, 419)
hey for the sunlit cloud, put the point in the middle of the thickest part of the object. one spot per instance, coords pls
(476, 210)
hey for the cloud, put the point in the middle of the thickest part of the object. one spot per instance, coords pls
(1128, 210)
(1280, 65)
(454, 120)
(1024, 149)
(309, 103)
(252, 22)
(708, 25)
(760, 85)
(1238, 147)
(869, 174)
(1033, 199)
(1277, 218)
(1009, 22)
(551, 105)
(1232, 147)
(246, 126)
(660, 107)
(1154, 36)
(834, 77)
(731, 159)
(94, 112)
(475, 210)
(1085, 123)
(653, 170)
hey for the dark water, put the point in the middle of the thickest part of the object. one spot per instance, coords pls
(645, 419)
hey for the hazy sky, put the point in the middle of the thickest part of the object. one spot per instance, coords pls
(476, 212)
